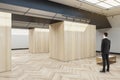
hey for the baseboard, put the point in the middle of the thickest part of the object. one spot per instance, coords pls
(19, 48)
(110, 52)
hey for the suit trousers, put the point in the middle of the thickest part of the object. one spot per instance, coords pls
(105, 59)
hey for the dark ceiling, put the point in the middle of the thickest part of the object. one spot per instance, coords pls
(33, 19)
(30, 19)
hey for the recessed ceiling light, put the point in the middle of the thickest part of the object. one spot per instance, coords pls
(112, 2)
(104, 5)
(117, 0)
(101, 0)
(92, 1)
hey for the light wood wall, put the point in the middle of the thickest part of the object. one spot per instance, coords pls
(39, 40)
(5, 41)
(70, 40)
(56, 44)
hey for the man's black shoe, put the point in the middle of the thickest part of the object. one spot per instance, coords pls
(107, 70)
(102, 71)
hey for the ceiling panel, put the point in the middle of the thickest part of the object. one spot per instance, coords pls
(80, 5)
(112, 12)
(59, 17)
(89, 7)
(20, 23)
(45, 14)
(12, 8)
(38, 15)
(41, 12)
(38, 25)
(23, 24)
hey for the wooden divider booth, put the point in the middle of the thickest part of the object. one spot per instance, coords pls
(39, 40)
(63, 41)
(5, 41)
(71, 40)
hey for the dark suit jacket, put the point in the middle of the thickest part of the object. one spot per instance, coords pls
(105, 46)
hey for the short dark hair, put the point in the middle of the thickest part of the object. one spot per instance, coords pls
(106, 34)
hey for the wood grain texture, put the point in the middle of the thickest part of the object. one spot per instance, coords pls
(70, 40)
(56, 43)
(38, 40)
(27, 66)
(5, 41)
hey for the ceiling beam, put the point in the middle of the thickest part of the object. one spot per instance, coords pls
(25, 18)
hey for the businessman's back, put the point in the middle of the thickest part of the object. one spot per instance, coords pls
(105, 47)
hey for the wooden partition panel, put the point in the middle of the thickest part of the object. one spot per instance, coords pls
(57, 41)
(70, 40)
(5, 41)
(38, 40)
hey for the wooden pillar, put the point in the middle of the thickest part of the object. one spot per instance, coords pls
(5, 41)
(39, 40)
(71, 40)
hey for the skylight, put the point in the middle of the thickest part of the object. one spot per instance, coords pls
(112, 2)
(93, 1)
(106, 4)
(118, 0)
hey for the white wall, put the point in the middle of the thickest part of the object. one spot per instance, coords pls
(98, 40)
(20, 38)
(99, 37)
(114, 34)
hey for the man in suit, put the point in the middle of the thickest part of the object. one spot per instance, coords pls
(105, 48)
